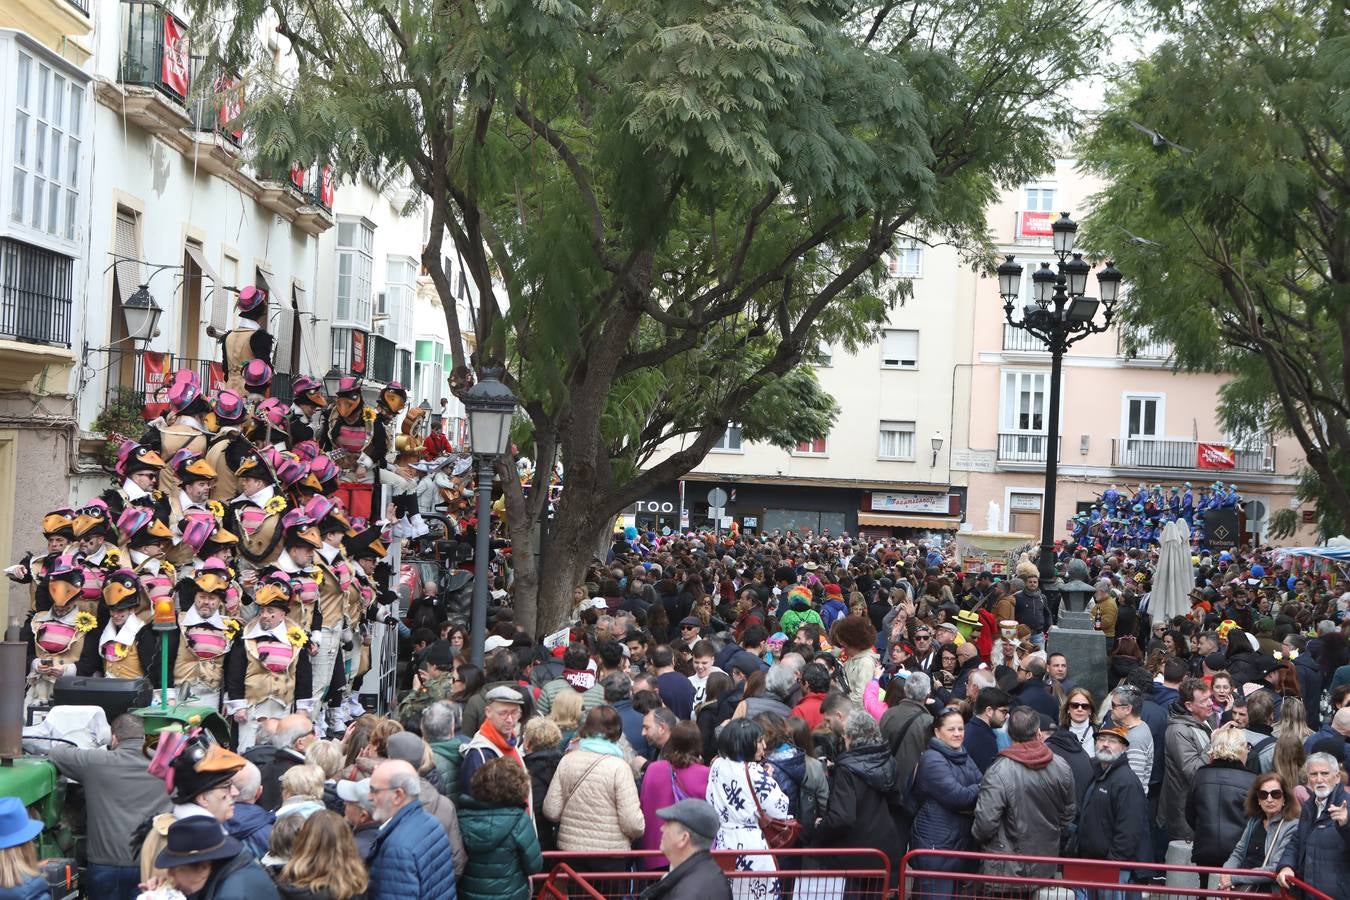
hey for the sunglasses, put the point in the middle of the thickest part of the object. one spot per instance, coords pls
(1080, 705)
(1276, 794)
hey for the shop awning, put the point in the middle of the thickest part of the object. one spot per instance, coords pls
(898, 520)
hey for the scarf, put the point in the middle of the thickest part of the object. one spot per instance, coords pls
(581, 680)
(600, 745)
(507, 746)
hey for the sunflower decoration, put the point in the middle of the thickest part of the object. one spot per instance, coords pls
(368, 415)
(120, 650)
(217, 508)
(167, 568)
(318, 576)
(231, 629)
(112, 559)
(276, 506)
(296, 635)
(85, 622)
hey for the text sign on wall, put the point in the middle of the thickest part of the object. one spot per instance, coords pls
(939, 504)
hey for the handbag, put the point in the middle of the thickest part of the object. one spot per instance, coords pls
(778, 833)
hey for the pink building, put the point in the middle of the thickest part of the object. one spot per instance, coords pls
(1126, 418)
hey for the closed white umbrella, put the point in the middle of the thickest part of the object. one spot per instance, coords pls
(1175, 577)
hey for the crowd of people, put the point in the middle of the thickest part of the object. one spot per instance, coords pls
(736, 692)
(1136, 519)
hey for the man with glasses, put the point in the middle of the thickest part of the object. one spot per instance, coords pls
(925, 658)
(991, 712)
(411, 856)
(1113, 807)
(1127, 712)
(1319, 852)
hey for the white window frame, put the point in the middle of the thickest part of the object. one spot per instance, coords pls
(1039, 196)
(724, 444)
(400, 289)
(1008, 416)
(883, 430)
(818, 454)
(360, 255)
(1160, 417)
(905, 260)
(60, 125)
(901, 360)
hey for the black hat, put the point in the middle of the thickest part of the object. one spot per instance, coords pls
(201, 766)
(365, 543)
(439, 654)
(197, 839)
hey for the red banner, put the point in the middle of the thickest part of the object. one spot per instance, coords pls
(176, 69)
(215, 376)
(155, 369)
(358, 352)
(298, 176)
(232, 105)
(1215, 456)
(326, 186)
(1037, 224)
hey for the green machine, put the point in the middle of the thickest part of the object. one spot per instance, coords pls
(33, 780)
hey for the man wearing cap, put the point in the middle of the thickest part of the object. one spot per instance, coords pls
(268, 669)
(58, 528)
(257, 511)
(359, 812)
(249, 339)
(199, 647)
(412, 749)
(336, 592)
(138, 467)
(353, 428)
(432, 683)
(203, 787)
(303, 419)
(496, 737)
(1114, 807)
(688, 830)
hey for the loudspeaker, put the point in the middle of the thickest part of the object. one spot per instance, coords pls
(113, 695)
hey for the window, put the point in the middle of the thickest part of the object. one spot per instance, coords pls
(899, 348)
(428, 381)
(355, 244)
(731, 440)
(48, 119)
(897, 440)
(814, 447)
(229, 277)
(1143, 417)
(399, 292)
(342, 347)
(1025, 397)
(905, 260)
(35, 294)
(824, 355)
(1040, 199)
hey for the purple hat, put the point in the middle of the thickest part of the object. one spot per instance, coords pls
(307, 450)
(185, 390)
(229, 406)
(133, 457)
(257, 374)
(273, 412)
(349, 385)
(252, 299)
(324, 469)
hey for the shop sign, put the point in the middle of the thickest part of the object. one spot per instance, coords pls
(939, 504)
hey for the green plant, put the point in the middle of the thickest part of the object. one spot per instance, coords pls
(120, 419)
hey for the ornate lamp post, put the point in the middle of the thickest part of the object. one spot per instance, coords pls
(1059, 316)
(490, 406)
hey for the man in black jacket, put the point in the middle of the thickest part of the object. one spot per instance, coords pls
(688, 831)
(1114, 809)
(1032, 610)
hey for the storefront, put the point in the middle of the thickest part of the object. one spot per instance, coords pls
(909, 513)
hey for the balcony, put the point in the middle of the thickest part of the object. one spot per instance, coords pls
(144, 377)
(155, 74)
(1022, 448)
(1018, 341)
(35, 312)
(383, 359)
(316, 215)
(1143, 347)
(51, 23)
(1146, 453)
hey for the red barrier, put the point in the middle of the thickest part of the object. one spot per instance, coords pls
(950, 874)
(798, 875)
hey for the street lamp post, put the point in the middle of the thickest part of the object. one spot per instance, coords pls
(1059, 315)
(490, 406)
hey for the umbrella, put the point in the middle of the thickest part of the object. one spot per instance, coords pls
(1175, 577)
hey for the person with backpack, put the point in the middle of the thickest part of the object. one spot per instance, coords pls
(678, 775)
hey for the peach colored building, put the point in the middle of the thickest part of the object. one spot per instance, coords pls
(1126, 418)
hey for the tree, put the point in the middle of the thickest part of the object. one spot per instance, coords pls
(663, 206)
(1232, 221)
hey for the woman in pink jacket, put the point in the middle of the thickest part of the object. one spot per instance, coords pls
(678, 774)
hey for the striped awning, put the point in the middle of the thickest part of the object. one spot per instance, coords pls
(899, 520)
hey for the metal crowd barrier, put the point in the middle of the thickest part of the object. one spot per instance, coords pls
(798, 874)
(959, 875)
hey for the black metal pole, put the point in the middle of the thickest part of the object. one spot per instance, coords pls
(481, 568)
(1046, 563)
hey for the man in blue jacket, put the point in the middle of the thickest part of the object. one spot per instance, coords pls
(1319, 852)
(411, 857)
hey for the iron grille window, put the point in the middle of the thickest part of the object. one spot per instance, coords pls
(35, 294)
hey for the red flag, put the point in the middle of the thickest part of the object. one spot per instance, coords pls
(175, 71)
(1215, 456)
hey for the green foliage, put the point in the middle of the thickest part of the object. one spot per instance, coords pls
(121, 418)
(1243, 264)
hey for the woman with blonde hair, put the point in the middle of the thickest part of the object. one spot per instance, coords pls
(566, 714)
(19, 875)
(1215, 807)
(328, 756)
(324, 864)
(1293, 719)
(301, 791)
